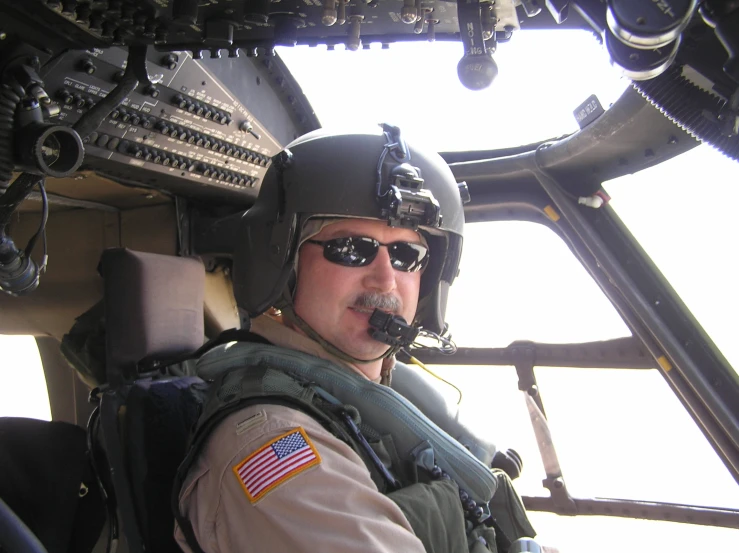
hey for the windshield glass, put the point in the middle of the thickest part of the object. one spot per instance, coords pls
(543, 76)
(700, 257)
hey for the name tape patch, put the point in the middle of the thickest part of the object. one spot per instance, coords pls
(275, 463)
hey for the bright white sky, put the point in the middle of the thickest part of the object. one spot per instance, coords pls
(617, 435)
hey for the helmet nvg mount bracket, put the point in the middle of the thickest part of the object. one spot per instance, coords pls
(405, 202)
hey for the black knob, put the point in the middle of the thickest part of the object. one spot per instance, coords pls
(96, 22)
(135, 120)
(109, 29)
(200, 110)
(477, 72)
(113, 143)
(125, 116)
(86, 66)
(151, 90)
(174, 132)
(205, 144)
(508, 461)
(68, 7)
(200, 141)
(208, 113)
(183, 135)
(229, 151)
(79, 100)
(115, 114)
(65, 96)
(90, 138)
(102, 140)
(124, 146)
(118, 76)
(162, 127)
(147, 123)
(170, 62)
(166, 161)
(180, 101)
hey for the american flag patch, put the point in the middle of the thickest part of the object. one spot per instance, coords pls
(276, 462)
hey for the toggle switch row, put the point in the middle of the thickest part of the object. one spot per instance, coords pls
(210, 143)
(75, 98)
(168, 159)
(201, 109)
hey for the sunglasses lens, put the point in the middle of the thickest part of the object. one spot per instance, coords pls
(351, 252)
(407, 256)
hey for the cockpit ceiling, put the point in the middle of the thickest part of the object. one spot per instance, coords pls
(642, 37)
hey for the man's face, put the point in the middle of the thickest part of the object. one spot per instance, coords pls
(327, 294)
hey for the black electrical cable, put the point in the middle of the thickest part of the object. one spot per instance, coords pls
(14, 196)
(9, 100)
(42, 226)
(134, 74)
(92, 426)
(445, 343)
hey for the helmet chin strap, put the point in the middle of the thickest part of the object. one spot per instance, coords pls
(288, 311)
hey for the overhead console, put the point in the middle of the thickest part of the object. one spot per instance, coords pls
(642, 37)
(182, 132)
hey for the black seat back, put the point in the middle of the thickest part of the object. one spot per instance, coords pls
(153, 314)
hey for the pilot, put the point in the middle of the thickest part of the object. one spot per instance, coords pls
(346, 226)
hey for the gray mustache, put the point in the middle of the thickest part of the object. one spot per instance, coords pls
(373, 300)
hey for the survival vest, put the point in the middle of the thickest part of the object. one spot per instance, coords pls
(452, 500)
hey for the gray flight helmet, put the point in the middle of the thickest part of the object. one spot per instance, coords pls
(370, 176)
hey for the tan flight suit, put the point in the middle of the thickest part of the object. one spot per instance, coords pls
(333, 506)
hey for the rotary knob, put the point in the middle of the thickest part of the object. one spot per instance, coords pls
(87, 66)
(329, 13)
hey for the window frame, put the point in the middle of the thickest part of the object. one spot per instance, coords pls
(665, 336)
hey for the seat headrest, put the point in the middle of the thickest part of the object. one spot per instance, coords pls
(153, 308)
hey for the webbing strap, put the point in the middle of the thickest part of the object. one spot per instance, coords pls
(252, 392)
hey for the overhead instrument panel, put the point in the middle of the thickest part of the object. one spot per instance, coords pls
(642, 36)
(183, 131)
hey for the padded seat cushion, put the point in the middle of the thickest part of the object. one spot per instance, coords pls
(42, 465)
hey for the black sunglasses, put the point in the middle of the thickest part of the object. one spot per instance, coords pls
(359, 251)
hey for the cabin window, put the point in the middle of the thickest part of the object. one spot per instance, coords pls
(691, 199)
(618, 433)
(519, 281)
(23, 390)
(542, 79)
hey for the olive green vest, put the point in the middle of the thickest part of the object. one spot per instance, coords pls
(443, 490)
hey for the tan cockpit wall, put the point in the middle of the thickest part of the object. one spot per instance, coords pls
(124, 216)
